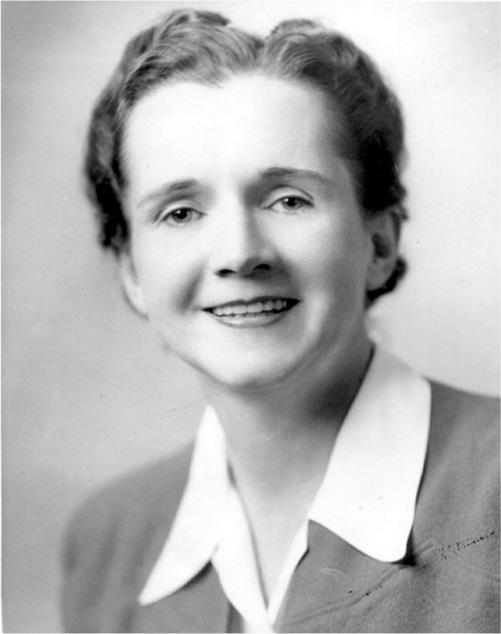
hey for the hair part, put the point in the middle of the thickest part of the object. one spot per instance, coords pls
(202, 46)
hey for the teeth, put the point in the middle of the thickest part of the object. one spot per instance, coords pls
(254, 308)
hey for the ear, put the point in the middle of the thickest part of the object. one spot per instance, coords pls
(130, 284)
(384, 234)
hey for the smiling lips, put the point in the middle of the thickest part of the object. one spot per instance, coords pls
(259, 311)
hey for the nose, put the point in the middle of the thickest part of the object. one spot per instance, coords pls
(242, 247)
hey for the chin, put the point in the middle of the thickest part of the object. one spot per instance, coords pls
(248, 377)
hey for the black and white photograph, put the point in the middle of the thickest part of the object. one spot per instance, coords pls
(250, 314)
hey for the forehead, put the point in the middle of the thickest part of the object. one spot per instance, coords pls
(246, 124)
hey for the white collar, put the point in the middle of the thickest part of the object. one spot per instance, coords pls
(368, 494)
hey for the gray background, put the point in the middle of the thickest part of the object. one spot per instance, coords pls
(88, 390)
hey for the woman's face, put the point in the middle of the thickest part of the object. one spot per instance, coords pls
(248, 250)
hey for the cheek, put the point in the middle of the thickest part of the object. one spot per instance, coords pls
(334, 256)
(168, 276)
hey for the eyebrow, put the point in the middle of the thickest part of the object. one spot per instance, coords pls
(168, 190)
(280, 173)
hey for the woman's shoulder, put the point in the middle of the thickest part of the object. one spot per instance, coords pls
(458, 502)
(459, 417)
(462, 463)
(464, 432)
(458, 400)
(113, 540)
(147, 496)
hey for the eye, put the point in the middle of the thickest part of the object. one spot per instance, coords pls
(290, 204)
(180, 216)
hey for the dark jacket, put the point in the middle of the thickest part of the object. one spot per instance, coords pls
(448, 581)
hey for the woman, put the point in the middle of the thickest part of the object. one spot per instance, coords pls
(250, 190)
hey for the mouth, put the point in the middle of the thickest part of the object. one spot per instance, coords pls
(258, 311)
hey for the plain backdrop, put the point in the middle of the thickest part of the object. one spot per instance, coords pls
(88, 391)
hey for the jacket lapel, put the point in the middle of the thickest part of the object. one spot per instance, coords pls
(332, 574)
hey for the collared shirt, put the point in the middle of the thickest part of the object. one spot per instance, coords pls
(367, 496)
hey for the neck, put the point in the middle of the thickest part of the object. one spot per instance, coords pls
(279, 439)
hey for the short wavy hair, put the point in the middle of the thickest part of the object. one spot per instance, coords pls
(202, 46)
